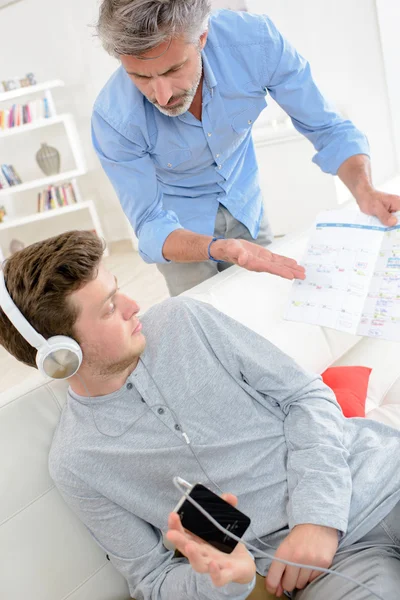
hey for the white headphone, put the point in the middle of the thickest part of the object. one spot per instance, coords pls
(59, 357)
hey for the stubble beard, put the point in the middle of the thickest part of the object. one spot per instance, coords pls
(104, 370)
(187, 97)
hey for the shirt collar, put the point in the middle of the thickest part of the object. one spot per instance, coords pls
(209, 76)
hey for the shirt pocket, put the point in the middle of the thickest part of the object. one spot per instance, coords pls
(243, 121)
(175, 160)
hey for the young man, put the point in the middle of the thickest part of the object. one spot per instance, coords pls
(178, 115)
(187, 391)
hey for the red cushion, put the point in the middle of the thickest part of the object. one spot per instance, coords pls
(350, 385)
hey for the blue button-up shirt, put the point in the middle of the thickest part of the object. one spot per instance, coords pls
(172, 172)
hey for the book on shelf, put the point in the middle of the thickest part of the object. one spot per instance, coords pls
(22, 114)
(56, 196)
(352, 276)
(8, 176)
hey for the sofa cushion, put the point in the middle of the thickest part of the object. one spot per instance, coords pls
(350, 385)
(383, 399)
(44, 540)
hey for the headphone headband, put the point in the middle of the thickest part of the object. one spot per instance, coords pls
(17, 318)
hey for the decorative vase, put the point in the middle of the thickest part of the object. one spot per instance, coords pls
(48, 159)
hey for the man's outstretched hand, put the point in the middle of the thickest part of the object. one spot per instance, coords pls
(253, 257)
(238, 567)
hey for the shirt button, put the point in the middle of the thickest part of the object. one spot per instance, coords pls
(249, 121)
(209, 134)
(177, 427)
(219, 166)
(217, 155)
(160, 411)
(129, 385)
(169, 165)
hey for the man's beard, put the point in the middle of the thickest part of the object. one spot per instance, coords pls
(186, 98)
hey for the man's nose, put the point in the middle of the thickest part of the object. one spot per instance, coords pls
(130, 308)
(162, 91)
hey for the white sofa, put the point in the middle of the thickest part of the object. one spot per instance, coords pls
(46, 553)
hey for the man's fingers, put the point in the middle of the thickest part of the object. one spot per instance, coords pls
(303, 578)
(290, 578)
(275, 264)
(179, 540)
(382, 206)
(392, 202)
(230, 498)
(219, 575)
(278, 269)
(198, 558)
(314, 575)
(174, 522)
(274, 577)
(384, 215)
(242, 257)
(260, 264)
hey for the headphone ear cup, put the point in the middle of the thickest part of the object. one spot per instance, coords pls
(60, 358)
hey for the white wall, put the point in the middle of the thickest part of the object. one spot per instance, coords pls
(53, 39)
(341, 40)
(389, 23)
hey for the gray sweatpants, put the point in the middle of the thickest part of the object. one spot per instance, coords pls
(183, 276)
(376, 565)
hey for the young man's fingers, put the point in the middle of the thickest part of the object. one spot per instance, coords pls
(174, 522)
(197, 559)
(303, 578)
(314, 575)
(274, 576)
(220, 575)
(290, 577)
(230, 498)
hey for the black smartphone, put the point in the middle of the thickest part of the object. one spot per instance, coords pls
(194, 521)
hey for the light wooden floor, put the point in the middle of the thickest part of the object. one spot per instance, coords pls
(137, 279)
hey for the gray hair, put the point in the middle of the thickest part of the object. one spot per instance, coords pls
(133, 27)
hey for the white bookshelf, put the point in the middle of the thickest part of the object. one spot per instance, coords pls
(39, 225)
(38, 124)
(47, 214)
(30, 90)
(43, 182)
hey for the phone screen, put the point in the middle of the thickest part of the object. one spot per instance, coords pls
(229, 517)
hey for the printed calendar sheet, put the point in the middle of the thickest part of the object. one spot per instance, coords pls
(352, 280)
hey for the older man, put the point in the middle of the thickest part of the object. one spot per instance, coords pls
(172, 128)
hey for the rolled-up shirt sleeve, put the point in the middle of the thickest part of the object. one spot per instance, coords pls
(288, 78)
(131, 171)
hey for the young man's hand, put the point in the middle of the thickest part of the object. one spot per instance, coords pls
(238, 567)
(306, 544)
(253, 257)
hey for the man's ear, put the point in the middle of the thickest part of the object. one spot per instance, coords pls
(203, 39)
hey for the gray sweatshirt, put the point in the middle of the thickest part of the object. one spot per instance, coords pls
(213, 402)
